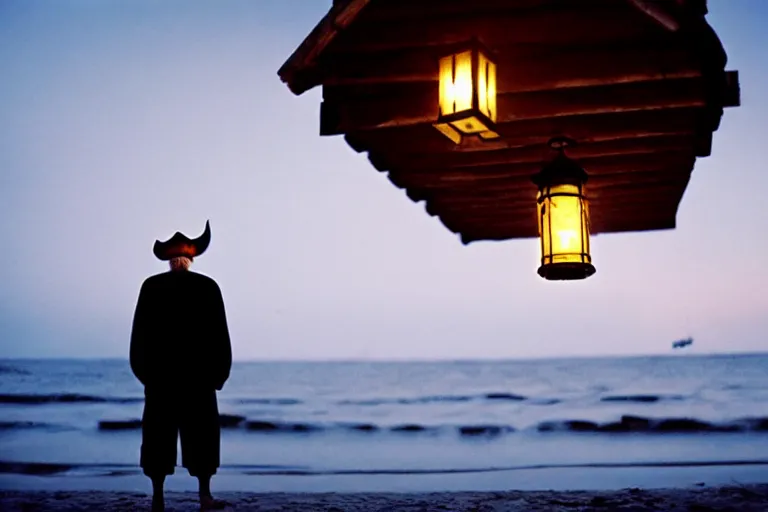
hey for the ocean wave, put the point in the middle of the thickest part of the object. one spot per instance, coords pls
(269, 426)
(626, 424)
(447, 399)
(641, 398)
(6, 369)
(65, 398)
(44, 469)
(31, 425)
(225, 421)
(269, 401)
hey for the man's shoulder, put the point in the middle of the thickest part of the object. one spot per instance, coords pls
(202, 278)
(187, 275)
(151, 280)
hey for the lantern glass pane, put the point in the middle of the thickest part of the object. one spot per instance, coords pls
(563, 225)
(586, 228)
(482, 83)
(492, 91)
(467, 95)
(447, 94)
(462, 81)
(486, 86)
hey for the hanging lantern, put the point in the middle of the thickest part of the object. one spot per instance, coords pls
(467, 94)
(563, 216)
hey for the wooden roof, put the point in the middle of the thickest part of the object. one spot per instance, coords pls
(639, 84)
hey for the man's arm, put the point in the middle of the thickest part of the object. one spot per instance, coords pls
(222, 347)
(139, 334)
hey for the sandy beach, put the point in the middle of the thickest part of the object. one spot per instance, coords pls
(752, 498)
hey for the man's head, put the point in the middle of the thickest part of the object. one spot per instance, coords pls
(179, 250)
(180, 263)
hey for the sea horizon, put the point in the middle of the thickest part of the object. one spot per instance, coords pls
(674, 354)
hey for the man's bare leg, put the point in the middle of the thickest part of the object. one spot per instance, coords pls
(206, 499)
(158, 503)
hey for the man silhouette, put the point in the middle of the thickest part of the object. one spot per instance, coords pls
(181, 353)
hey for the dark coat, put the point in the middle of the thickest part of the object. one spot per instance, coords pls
(180, 337)
(181, 352)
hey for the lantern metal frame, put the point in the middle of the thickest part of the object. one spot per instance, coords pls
(479, 124)
(563, 171)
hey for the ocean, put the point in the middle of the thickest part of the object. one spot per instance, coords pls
(407, 426)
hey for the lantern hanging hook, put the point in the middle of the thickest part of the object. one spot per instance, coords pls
(560, 143)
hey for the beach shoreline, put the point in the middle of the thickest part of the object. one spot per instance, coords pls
(746, 498)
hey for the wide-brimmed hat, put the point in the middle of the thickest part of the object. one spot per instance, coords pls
(180, 245)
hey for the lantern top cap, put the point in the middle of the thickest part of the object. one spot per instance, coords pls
(561, 169)
(474, 44)
(560, 143)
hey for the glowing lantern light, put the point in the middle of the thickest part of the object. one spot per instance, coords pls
(467, 94)
(563, 215)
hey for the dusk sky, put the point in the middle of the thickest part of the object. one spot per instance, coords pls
(123, 121)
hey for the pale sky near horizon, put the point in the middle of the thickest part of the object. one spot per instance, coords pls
(124, 121)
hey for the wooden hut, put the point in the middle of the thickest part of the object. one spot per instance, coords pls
(640, 85)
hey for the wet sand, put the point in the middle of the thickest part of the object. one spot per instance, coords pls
(747, 498)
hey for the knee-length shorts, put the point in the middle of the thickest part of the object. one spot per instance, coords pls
(192, 416)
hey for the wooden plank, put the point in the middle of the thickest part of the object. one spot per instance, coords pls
(299, 71)
(656, 198)
(519, 68)
(615, 223)
(493, 233)
(538, 153)
(662, 11)
(423, 140)
(491, 175)
(409, 105)
(635, 207)
(489, 198)
(425, 10)
(571, 24)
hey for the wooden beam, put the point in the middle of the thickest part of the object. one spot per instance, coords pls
(439, 202)
(300, 70)
(409, 105)
(520, 69)
(661, 197)
(656, 199)
(529, 225)
(660, 11)
(570, 24)
(426, 10)
(423, 140)
(515, 231)
(532, 154)
(494, 175)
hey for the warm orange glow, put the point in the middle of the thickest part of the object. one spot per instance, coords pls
(467, 95)
(563, 225)
(447, 94)
(486, 87)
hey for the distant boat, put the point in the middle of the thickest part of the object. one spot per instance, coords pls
(682, 343)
